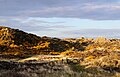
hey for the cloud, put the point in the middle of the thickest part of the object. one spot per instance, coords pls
(109, 33)
(26, 26)
(3, 21)
(33, 24)
(60, 26)
(84, 9)
(53, 28)
(36, 20)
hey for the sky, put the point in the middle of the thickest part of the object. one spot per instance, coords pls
(63, 18)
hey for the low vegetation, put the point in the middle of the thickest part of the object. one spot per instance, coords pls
(95, 57)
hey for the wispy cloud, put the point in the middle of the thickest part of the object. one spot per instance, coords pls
(33, 24)
(3, 20)
(29, 15)
(109, 33)
(84, 9)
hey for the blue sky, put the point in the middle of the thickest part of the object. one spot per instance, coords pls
(63, 18)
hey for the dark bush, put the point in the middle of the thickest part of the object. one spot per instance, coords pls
(12, 74)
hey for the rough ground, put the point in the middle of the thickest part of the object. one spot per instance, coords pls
(73, 57)
(56, 68)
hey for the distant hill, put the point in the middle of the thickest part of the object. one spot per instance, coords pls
(18, 42)
(91, 53)
(17, 37)
(15, 41)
